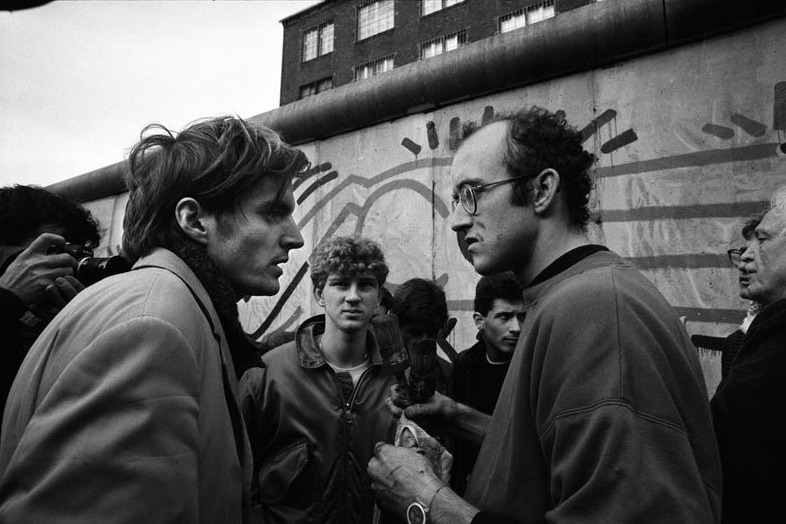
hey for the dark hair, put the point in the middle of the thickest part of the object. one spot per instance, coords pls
(215, 161)
(25, 209)
(750, 225)
(385, 298)
(538, 139)
(347, 256)
(420, 302)
(504, 286)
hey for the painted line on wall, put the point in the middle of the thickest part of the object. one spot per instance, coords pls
(316, 185)
(700, 158)
(731, 210)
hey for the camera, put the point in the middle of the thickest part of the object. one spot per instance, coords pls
(90, 269)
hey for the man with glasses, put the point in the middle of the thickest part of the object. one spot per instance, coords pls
(603, 415)
(742, 259)
(747, 409)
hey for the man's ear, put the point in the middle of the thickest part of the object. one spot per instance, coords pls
(189, 217)
(318, 296)
(478, 318)
(545, 187)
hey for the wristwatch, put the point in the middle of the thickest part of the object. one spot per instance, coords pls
(417, 513)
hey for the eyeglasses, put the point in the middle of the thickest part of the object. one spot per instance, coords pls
(735, 254)
(468, 194)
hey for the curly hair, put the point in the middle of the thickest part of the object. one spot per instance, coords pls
(419, 302)
(504, 286)
(215, 161)
(25, 209)
(347, 256)
(538, 139)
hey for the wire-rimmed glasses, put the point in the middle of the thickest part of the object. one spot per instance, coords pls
(735, 254)
(468, 193)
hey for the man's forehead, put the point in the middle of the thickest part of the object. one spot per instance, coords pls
(362, 276)
(772, 223)
(480, 155)
(507, 305)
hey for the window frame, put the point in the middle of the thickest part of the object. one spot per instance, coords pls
(318, 30)
(317, 86)
(366, 4)
(442, 7)
(461, 37)
(373, 64)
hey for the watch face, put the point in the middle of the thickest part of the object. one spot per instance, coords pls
(416, 514)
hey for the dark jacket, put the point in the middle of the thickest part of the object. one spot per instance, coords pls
(11, 309)
(750, 424)
(477, 384)
(312, 434)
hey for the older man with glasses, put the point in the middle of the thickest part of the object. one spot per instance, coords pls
(747, 409)
(742, 258)
(603, 415)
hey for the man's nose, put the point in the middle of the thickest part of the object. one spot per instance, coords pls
(291, 238)
(459, 219)
(352, 294)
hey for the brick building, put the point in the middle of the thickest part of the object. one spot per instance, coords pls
(337, 42)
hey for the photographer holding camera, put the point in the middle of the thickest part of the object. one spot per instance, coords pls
(35, 283)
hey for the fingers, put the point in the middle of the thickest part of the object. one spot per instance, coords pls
(43, 241)
(62, 290)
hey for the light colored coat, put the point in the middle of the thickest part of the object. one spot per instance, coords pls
(119, 412)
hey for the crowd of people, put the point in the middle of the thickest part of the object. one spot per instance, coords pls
(140, 398)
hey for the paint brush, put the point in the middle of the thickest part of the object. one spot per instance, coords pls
(423, 370)
(395, 359)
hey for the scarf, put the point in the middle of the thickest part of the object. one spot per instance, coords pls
(244, 351)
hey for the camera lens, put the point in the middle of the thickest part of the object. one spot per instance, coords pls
(90, 270)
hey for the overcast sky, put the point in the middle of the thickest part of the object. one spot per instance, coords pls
(80, 79)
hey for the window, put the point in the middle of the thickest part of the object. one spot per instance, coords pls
(442, 44)
(374, 18)
(530, 15)
(541, 11)
(318, 41)
(375, 67)
(512, 21)
(316, 87)
(432, 6)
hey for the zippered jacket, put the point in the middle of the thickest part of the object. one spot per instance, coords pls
(312, 434)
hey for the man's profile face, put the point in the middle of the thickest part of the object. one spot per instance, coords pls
(747, 266)
(249, 244)
(499, 236)
(501, 327)
(349, 300)
(768, 283)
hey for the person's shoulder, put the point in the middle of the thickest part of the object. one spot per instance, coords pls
(471, 355)
(280, 355)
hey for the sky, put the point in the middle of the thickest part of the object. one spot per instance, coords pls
(80, 79)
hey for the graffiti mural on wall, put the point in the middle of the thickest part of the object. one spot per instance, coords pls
(394, 179)
(323, 183)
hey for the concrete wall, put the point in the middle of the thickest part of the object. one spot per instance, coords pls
(688, 141)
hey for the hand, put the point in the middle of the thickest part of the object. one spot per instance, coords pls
(59, 294)
(399, 476)
(33, 271)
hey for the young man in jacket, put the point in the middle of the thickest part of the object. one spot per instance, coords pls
(125, 408)
(317, 407)
(480, 370)
(603, 415)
